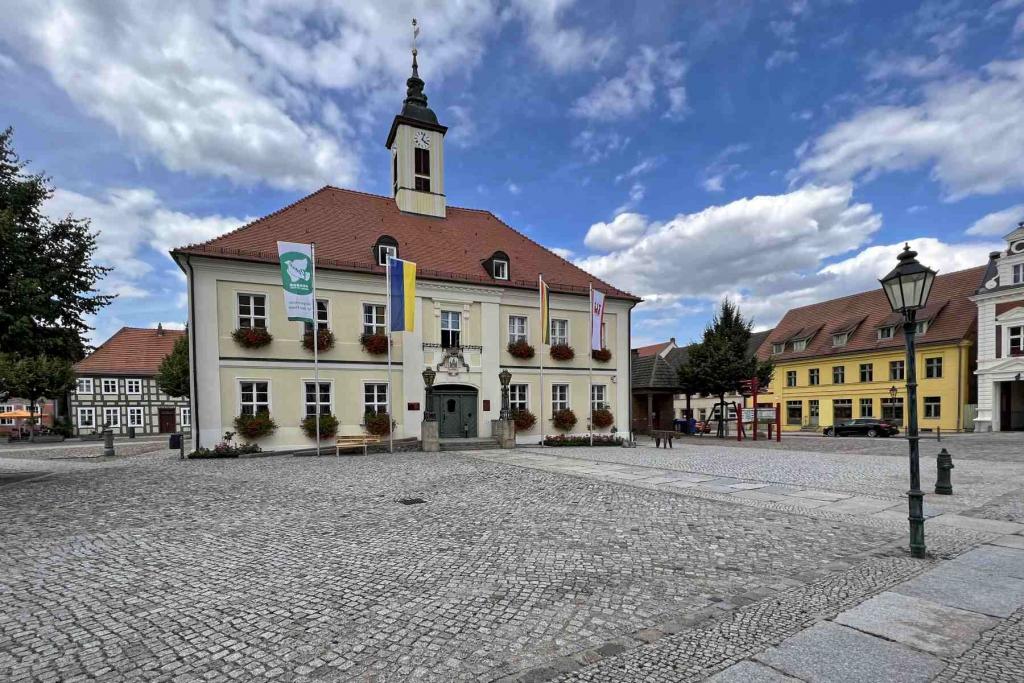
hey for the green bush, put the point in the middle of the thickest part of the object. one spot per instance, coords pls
(583, 440)
(328, 426)
(255, 426)
(378, 424)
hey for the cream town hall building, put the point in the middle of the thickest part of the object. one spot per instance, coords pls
(477, 291)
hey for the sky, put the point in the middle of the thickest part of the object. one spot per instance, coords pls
(778, 152)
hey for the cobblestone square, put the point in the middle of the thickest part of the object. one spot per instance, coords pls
(282, 568)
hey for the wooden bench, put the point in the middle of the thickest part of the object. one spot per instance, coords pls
(665, 435)
(355, 441)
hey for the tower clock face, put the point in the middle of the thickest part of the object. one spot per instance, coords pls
(422, 138)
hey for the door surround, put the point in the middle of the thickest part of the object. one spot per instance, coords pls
(457, 408)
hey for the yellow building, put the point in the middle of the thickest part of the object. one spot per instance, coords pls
(844, 359)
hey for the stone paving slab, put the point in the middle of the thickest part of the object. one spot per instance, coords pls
(919, 623)
(832, 653)
(992, 560)
(990, 594)
(860, 505)
(814, 494)
(1012, 541)
(751, 672)
(988, 525)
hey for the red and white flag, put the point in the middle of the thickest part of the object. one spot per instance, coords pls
(596, 319)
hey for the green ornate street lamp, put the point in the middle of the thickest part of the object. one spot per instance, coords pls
(505, 377)
(907, 288)
(428, 382)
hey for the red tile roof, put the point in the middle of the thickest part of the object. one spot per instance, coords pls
(346, 224)
(951, 314)
(131, 351)
(652, 349)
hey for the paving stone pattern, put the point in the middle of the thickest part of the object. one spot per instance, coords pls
(149, 568)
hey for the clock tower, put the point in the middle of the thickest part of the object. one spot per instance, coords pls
(416, 143)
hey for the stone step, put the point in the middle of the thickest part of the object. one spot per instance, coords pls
(471, 444)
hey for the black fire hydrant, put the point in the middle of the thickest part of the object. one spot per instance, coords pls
(944, 462)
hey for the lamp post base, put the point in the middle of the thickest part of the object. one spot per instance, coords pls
(916, 504)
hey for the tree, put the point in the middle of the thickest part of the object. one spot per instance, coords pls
(47, 279)
(722, 361)
(35, 377)
(173, 375)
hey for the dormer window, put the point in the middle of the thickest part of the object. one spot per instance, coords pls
(886, 332)
(778, 347)
(840, 339)
(385, 246)
(497, 265)
(500, 269)
(921, 327)
(799, 344)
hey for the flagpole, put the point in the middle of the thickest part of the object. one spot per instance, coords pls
(387, 296)
(316, 344)
(541, 301)
(590, 359)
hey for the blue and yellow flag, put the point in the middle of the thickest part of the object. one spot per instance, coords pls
(402, 295)
(545, 311)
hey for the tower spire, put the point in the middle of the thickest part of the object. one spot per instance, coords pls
(415, 99)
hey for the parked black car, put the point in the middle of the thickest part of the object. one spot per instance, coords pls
(865, 426)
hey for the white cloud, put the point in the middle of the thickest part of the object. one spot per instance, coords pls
(129, 223)
(720, 168)
(462, 131)
(563, 252)
(561, 48)
(642, 167)
(635, 91)
(599, 144)
(512, 187)
(623, 231)
(913, 66)
(998, 223)
(969, 130)
(779, 58)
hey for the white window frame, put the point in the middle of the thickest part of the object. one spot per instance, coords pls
(251, 318)
(136, 412)
(921, 327)
(306, 405)
(112, 410)
(841, 374)
(91, 412)
(84, 382)
(255, 403)
(902, 365)
(778, 347)
(1018, 273)
(800, 345)
(559, 338)
(6, 421)
(596, 404)
(370, 310)
(886, 332)
(556, 403)
(814, 379)
(791, 378)
(449, 316)
(379, 405)
(128, 386)
(103, 386)
(500, 266)
(840, 339)
(185, 415)
(932, 407)
(514, 334)
(383, 250)
(322, 322)
(519, 402)
(1012, 336)
(937, 365)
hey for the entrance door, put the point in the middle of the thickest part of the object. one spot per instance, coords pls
(455, 408)
(165, 417)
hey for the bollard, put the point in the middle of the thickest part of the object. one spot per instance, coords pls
(108, 442)
(944, 484)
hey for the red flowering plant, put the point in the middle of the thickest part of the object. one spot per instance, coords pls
(602, 417)
(520, 349)
(252, 337)
(376, 344)
(562, 352)
(603, 355)
(324, 339)
(564, 419)
(524, 419)
(255, 426)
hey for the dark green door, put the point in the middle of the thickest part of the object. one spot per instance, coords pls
(456, 413)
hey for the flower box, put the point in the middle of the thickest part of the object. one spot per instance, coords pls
(252, 337)
(562, 352)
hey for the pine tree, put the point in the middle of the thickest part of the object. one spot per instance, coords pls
(172, 376)
(47, 279)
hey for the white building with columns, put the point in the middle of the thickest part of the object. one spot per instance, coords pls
(477, 293)
(1000, 371)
